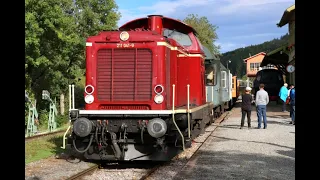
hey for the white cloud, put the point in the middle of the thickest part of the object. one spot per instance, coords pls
(128, 15)
(168, 7)
(235, 6)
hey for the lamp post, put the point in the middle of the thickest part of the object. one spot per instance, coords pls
(228, 63)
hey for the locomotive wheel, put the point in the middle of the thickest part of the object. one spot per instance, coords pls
(211, 117)
(216, 114)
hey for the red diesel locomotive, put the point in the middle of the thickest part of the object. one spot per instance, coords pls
(145, 92)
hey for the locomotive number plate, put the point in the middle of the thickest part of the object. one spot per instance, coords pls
(125, 45)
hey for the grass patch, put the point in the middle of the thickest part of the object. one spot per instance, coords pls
(44, 128)
(43, 148)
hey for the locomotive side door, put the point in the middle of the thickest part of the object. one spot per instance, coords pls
(212, 84)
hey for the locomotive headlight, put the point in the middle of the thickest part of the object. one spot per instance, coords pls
(158, 89)
(158, 98)
(89, 89)
(89, 99)
(124, 36)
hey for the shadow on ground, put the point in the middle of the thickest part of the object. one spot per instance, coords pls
(63, 153)
(236, 165)
(292, 154)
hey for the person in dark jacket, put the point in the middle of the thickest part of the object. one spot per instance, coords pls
(246, 107)
(292, 103)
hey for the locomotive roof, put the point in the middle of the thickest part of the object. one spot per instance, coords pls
(209, 55)
(166, 22)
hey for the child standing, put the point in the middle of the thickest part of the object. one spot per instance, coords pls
(246, 107)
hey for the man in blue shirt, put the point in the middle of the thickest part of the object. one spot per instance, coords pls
(283, 94)
(292, 104)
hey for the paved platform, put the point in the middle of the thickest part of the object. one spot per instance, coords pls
(233, 153)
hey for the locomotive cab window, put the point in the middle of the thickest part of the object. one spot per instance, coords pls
(182, 38)
(211, 75)
(258, 78)
(223, 79)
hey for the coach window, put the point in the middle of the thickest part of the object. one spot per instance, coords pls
(181, 38)
(233, 83)
(223, 79)
(211, 75)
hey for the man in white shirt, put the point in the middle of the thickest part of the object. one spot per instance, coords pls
(262, 99)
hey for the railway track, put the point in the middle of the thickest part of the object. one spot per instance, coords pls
(149, 168)
(85, 172)
(44, 134)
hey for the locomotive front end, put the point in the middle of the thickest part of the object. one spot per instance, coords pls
(125, 116)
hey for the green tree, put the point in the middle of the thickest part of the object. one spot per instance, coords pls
(50, 38)
(206, 31)
(93, 16)
(55, 34)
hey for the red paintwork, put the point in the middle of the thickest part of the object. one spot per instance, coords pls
(166, 23)
(273, 98)
(134, 88)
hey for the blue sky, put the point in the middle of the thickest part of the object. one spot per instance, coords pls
(240, 22)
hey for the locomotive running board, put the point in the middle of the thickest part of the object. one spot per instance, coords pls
(120, 112)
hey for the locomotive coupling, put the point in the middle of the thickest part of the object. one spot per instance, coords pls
(157, 127)
(82, 127)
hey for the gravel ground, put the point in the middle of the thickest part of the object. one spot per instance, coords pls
(233, 153)
(54, 169)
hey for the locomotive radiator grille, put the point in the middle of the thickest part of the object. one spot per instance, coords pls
(124, 74)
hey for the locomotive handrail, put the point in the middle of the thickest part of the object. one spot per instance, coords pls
(64, 138)
(71, 99)
(173, 111)
(72, 96)
(188, 94)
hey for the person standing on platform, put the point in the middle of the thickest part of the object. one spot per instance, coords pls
(246, 107)
(283, 94)
(262, 99)
(288, 99)
(292, 104)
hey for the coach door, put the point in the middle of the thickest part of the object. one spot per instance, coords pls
(224, 86)
(212, 86)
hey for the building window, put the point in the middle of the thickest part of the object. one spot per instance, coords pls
(254, 66)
